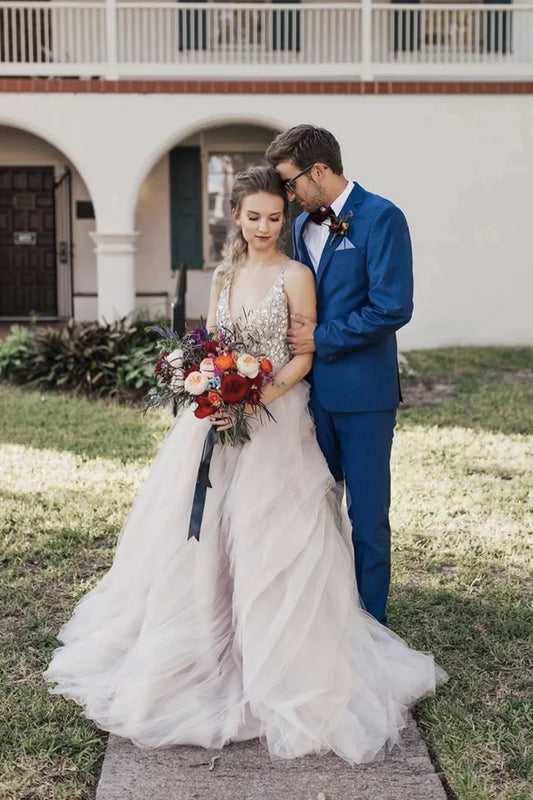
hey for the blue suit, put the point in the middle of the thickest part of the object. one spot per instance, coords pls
(364, 285)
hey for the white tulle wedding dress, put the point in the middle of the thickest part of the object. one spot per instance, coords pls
(255, 630)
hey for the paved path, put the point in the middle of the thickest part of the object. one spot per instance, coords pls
(245, 772)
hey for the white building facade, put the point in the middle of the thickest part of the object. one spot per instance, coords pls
(120, 137)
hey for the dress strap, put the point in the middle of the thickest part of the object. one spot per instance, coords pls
(227, 279)
(281, 275)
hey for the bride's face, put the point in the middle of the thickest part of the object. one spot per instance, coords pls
(261, 218)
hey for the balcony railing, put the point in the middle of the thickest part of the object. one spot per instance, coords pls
(115, 39)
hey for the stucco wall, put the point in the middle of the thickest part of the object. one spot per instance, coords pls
(461, 167)
(152, 220)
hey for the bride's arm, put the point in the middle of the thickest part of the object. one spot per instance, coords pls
(214, 295)
(299, 287)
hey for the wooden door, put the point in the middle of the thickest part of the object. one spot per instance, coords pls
(28, 280)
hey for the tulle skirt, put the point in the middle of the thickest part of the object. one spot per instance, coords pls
(256, 629)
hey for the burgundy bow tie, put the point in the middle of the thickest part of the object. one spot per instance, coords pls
(322, 214)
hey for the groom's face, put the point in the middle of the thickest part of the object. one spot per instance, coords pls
(301, 185)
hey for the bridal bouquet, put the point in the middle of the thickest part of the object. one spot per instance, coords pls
(214, 372)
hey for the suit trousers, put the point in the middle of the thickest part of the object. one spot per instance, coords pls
(357, 447)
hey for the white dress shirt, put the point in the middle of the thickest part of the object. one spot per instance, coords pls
(316, 236)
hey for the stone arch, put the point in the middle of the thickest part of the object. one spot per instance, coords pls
(172, 139)
(9, 121)
(49, 206)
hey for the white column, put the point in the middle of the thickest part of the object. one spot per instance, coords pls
(367, 72)
(111, 72)
(115, 265)
(522, 36)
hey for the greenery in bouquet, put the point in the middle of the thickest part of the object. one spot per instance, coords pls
(217, 373)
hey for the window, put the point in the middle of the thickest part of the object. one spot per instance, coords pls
(221, 170)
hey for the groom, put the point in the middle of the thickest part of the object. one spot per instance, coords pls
(358, 246)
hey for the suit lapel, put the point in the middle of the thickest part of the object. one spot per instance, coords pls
(302, 247)
(325, 258)
(353, 203)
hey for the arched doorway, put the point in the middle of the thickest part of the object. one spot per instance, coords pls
(45, 215)
(182, 210)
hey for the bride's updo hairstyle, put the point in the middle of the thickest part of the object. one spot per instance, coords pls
(251, 181)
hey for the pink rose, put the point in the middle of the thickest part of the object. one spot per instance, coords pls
(248, 366)
(195, 383)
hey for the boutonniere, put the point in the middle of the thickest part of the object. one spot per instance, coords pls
(339, 226)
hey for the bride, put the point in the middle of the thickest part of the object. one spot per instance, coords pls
(256, 630)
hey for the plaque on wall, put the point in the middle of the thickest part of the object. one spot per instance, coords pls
(24, 237)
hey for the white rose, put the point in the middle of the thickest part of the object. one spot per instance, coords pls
(248, 366)
(195, 383)
(175, 358)
(207, 368)
(177, 381)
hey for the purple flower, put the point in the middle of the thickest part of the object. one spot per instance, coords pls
(199, 336)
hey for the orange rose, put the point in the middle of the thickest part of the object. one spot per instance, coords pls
(214, 398)
(266, 365)
(225, 361)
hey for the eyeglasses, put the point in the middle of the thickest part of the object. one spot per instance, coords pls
(289, 184)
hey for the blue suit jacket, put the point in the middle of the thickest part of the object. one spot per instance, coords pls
(364, 294)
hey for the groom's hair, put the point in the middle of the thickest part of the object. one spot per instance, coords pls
(305, 145)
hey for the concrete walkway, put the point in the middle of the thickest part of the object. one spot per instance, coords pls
(244, 772)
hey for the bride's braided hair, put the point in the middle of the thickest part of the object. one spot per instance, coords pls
(250, 181)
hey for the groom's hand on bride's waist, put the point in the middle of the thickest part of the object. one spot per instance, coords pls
(300, 335)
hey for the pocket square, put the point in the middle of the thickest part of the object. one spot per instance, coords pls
(345, 244)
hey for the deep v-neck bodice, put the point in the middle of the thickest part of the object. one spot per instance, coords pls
(246, 313)
(262, 329)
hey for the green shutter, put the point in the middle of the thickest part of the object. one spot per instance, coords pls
(186, 207)
(285, 27)
(192, 28)
(498, 29)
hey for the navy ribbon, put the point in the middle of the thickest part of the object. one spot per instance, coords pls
(202, 485)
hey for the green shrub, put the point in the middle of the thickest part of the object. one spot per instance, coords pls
(111, 360)
(136, 373)
(15, 349)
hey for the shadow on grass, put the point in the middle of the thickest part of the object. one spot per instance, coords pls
(492, 388)
(491, 405)
(455, 623)
(92, 428)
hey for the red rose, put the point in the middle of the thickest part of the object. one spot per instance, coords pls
(234, 388)
(204, 408)
(194, 368)
(257, 382)
(201, 412)
(211, 348)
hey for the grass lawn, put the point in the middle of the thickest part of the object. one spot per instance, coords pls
(463, 585)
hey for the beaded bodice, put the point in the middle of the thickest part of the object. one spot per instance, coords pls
(263, 329)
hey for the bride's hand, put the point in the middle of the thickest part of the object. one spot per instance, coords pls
(221, 421)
